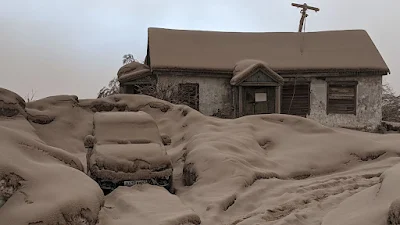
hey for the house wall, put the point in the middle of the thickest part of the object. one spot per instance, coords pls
(369, 102)
(215, 93)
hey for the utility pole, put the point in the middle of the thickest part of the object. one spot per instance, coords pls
(303, 12)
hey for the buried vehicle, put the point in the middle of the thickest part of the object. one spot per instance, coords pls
(127, 149)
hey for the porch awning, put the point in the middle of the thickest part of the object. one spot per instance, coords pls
(244, 69)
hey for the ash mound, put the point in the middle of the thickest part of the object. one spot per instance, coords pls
(263, 169)
(11, 104)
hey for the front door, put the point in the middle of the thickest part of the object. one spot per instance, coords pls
(258, 100)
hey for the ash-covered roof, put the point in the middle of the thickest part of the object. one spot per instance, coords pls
(132, 71)
(245, 68)
(325, 51)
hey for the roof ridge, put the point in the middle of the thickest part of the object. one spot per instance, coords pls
(251, 32)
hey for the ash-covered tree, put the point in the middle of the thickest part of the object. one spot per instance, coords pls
(170, 91)
(390, 104)
(128, 58)
(111, 89)
(166, 91)
(113, 85)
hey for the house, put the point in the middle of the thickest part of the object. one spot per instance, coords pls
(333, 77)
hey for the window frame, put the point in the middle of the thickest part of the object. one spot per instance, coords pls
(352, 84)
(297, 83)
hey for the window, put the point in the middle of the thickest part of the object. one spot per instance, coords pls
(295, 99)
(342, 98)
(189, 94)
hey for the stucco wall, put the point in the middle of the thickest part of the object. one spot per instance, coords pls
(369, 102)
(214, 92)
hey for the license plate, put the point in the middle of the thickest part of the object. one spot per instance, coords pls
(134, 182)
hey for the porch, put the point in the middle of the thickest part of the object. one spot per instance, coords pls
(256, 89)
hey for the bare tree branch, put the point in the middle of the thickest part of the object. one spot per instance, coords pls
(390, 104)
(30, 96)
(170, 91)
(113, 88)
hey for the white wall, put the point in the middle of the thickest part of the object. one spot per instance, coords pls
(369, 102)
(214, 93)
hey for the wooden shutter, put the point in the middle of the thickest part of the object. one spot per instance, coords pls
(300, 105)
(342, 98)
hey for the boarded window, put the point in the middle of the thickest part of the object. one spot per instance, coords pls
(189, 94)
(296, 99)
(342, 98)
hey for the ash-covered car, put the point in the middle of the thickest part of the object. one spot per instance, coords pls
(126, 149)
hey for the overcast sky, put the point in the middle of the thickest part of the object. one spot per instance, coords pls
(76, 46)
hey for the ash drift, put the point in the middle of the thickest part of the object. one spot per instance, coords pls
(266, 169)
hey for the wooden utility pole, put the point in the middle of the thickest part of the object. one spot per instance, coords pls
(303, 12)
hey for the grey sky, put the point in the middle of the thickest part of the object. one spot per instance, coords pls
(76, 46)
